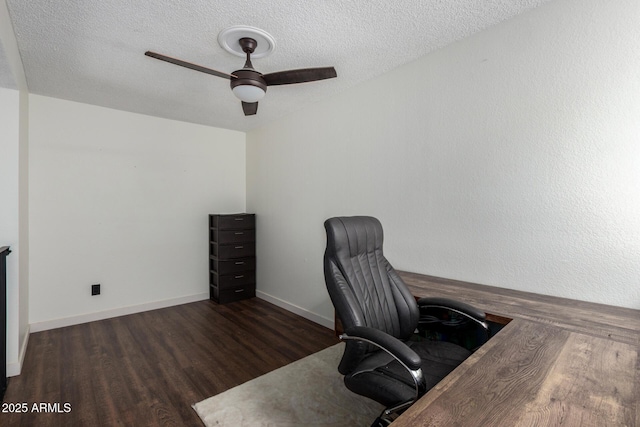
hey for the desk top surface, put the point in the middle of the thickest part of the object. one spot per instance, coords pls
(558, 362)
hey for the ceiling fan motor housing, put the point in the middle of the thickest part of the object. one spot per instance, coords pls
(247, 78)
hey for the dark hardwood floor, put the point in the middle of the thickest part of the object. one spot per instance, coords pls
(147, 369)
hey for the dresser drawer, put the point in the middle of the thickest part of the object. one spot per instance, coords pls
(230, 266)
(223, 296)
(233, 222)
(233, 236)
(236, 250)
(233, 280)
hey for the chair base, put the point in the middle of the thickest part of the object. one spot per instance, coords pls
(381, 422)
(389, 415)
(385, 420)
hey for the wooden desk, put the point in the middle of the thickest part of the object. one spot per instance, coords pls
(559, 362)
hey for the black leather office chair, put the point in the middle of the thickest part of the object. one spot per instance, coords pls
(379, 316)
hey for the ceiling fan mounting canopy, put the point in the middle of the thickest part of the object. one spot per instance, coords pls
(228, 40)
(248, 44)
(250, 85)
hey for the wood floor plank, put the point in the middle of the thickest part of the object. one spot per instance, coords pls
(147, 369)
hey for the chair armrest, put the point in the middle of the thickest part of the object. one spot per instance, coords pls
(453, 305)
(386, 342)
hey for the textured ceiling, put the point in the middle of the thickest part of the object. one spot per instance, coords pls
(92, 51)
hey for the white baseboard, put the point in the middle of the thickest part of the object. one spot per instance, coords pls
(321, 320)
(14, 369)
(122, 311)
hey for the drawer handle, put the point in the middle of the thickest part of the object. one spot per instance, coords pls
(238, 290)
(239, 233)
(239, 247)
(239, 219)
(239, 277)
(240, 263)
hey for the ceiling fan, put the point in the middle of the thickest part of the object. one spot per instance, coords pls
(250, 85)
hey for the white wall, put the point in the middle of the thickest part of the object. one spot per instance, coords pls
(14, 187)
(9, 213)
(14, 221)
(510, 158)
(122, 199)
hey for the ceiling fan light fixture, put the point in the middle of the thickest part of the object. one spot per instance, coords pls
(248, 93)
(249, 86)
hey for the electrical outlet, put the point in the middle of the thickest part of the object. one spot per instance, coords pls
(95, 289)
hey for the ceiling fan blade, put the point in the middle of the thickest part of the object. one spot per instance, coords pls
(189, 65)
(249, 108)
(299, 76)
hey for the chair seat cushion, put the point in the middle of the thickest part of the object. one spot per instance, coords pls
(382, 378)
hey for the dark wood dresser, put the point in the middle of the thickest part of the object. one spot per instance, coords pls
(232, 257)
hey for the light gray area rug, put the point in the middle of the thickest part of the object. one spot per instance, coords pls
(308, 392)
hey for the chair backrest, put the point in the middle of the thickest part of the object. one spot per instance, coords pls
(363, 286)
